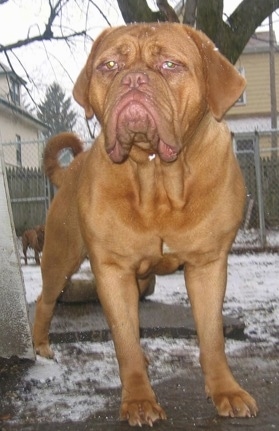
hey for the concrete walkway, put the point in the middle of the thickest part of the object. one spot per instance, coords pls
(86, 322)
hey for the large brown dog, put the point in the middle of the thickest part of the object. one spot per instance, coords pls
(33, 238)
(159, 188)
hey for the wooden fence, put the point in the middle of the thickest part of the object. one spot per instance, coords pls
(29, 196)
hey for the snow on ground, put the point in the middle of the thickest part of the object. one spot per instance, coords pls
(71, 386)
(252, 291)
(253, 294)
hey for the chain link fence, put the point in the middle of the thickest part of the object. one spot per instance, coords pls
(260, 167)
(31, 192)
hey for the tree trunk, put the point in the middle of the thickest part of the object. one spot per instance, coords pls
(230, 37)
(189, 17)
(138, 11)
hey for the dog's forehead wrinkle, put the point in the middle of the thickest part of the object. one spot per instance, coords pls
(123, 48)
(117, 51)
(142, 31)
(146, 41)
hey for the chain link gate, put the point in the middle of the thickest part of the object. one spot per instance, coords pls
(260, 168)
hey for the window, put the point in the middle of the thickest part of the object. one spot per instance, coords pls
(18, 150)
(242, 100)
(15, 91)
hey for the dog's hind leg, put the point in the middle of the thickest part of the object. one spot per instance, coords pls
(146, 285)
(37, 257)
(56, 270)
(24, 249)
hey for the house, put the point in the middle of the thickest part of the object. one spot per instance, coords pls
(18, 127)
(254, 111)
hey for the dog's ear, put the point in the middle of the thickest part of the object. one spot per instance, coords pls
(224, 83)
(81, 87)
(81, 92)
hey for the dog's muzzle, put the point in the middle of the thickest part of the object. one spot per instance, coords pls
(134, 120)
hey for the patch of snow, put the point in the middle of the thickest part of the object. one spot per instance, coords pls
(67, 388)
(70, 387)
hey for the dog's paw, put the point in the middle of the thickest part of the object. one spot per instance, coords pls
(45, 351)
(235, 404)
(139, 413)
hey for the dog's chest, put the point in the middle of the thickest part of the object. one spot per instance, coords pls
(166, 249)
(162, 260)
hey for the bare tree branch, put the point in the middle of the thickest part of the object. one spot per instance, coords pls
(11, 67)
(232, 36)
(101, 12)
(189, 17)
(39, 38)
(167, 10)
(55, 12)
(138, 11)
(257, 14)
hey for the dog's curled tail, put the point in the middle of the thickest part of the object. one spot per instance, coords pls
(57, 143)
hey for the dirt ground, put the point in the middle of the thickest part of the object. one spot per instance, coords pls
(181, 394)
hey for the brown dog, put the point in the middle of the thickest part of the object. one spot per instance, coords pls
(159, 188)
(33, 238)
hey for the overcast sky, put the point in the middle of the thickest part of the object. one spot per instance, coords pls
(52, 61)
(18, 17)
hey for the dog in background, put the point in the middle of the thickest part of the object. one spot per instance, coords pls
(33, 238)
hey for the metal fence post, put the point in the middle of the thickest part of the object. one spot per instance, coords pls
(259, 190)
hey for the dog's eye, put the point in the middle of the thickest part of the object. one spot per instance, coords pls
(168, 65)
(172, 66)
(111, 65)
(108, 66)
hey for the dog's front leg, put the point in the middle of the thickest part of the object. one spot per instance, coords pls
(206, 287)
(119, 297)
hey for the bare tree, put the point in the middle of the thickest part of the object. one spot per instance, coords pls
(230, 35)
(48, 34)
(189, 16)
(59, 27)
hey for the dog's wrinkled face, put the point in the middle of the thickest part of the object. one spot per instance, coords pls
(151, 84)
(145, 78)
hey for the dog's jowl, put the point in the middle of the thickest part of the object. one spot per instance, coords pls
(159, 188)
